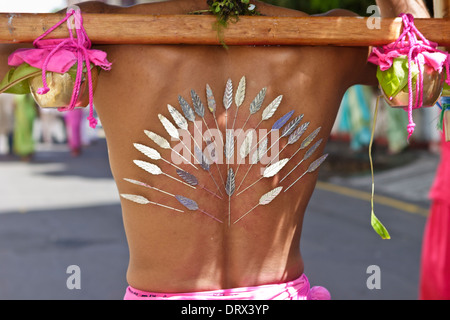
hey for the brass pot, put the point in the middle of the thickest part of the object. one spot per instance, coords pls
(61, 88)
(433, 83)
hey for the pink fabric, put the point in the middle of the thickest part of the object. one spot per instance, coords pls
(298, 289)
(441, 183)
(61, 61)
(435, 260)
(411, 41)
(73, 125)
(384, 56)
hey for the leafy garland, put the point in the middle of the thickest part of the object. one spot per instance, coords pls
(225, 10)
(228, 10)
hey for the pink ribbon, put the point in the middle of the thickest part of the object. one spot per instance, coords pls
(59, 55)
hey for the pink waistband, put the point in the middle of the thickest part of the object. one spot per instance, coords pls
(298, 289)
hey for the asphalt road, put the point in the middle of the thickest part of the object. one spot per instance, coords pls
(59, 211)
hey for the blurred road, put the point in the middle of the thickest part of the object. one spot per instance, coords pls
(59, 211)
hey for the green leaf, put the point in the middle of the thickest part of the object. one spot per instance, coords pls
(446, 90)
(16, 80)
(229, 10)
(395, 78)
(73, 70)
(5, 80)
(379, 227)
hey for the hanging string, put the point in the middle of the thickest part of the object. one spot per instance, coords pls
(415, 48)
(376, 224)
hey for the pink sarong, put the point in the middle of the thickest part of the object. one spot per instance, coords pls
(434, 281)
(298, 289)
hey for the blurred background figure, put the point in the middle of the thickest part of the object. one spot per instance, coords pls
(89, 136)
(435, 262)
(73, 126)
(396, 133)
(25, 114)
(355, 120)
(50, 127)
(354, 116)
(434, 283)
(6, 123)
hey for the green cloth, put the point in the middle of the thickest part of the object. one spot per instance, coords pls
(355, 117)
(25, 114)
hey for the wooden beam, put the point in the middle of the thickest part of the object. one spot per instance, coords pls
(194, 29)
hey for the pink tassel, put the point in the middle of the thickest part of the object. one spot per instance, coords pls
(319, 293)
(92, 122)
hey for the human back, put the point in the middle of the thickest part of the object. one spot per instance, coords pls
(172, 251)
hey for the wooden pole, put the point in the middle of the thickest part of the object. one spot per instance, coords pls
(195, 29)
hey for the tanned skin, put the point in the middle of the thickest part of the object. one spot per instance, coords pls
(185, 252)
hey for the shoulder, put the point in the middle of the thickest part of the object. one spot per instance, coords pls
(182, 7)
(271, 10)
(338, 13)
(276, 11)
(157, 8)
(178, 7)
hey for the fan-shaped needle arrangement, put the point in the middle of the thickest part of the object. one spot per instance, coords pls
(225, 145)
(186, 202)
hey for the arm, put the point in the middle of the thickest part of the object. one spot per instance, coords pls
(392, 8)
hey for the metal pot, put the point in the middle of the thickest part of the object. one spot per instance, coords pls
(433, 83)
(61, 88)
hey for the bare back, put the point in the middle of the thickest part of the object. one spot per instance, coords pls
(183, 252)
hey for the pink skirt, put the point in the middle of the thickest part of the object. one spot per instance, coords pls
(298, 289)
(435, 262)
